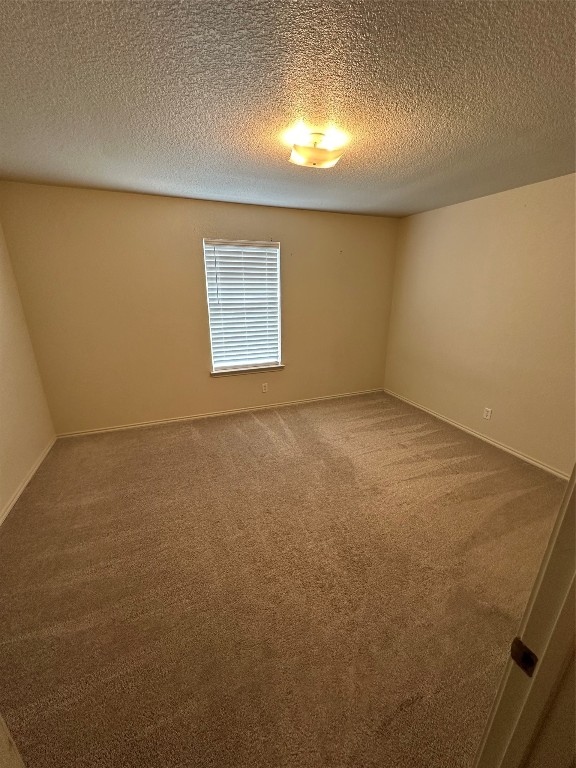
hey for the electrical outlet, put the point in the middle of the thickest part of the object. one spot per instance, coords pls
(264, 388)
(487, 413)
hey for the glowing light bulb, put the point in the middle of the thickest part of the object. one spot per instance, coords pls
(297, 134)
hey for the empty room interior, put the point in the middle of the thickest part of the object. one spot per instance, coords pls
(287, 384)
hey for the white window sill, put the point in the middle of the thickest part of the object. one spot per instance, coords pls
(254, 369)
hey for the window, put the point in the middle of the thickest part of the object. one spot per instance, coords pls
(243, 288)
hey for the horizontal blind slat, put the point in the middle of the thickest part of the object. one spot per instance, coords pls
(244, 348)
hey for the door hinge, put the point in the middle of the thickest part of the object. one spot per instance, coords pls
(523, 656)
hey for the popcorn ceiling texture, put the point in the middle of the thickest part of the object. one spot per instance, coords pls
(445, 101)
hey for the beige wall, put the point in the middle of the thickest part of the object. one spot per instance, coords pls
(9, 756)
(113, 290)
(25, 426)
(483, 316)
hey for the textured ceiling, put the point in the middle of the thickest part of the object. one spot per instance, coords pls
(444, 101)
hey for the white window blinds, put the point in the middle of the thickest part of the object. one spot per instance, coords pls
(243, 288)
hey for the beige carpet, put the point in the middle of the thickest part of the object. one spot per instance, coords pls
(331, 585)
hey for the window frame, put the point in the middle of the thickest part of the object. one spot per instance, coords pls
(255, 368)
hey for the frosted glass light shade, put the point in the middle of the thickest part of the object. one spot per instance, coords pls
(315, 157)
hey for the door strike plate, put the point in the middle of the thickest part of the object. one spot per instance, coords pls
(523, 656)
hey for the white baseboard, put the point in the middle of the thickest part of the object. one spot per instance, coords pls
(502, 446)
(17, 493)
(210, 414)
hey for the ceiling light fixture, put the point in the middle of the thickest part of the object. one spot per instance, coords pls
(314, 148)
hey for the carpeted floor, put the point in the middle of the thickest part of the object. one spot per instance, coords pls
(330, 585)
